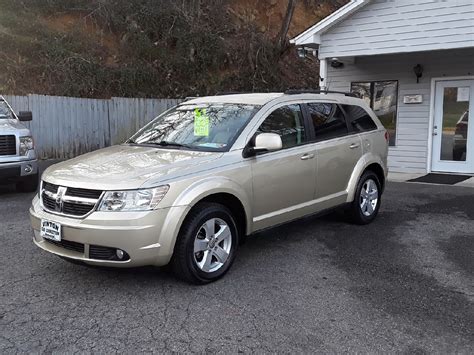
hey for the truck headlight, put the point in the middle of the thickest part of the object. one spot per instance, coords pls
(26, 144)
(133, 200)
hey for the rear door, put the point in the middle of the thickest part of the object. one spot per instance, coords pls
(338, 151)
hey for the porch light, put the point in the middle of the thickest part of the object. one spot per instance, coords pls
(336, 63)
(418, 69)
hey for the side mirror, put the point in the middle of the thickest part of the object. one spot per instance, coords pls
(264, 142)
(24, 116)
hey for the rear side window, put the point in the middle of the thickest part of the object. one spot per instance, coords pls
(328, 120)
(287, 122)
(359, 119)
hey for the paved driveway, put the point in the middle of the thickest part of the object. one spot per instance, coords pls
(403, 283)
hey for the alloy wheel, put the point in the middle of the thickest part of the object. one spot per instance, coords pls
(369, 197)
(212, 245)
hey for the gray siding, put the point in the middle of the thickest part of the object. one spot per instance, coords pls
(387, 26)
(411, 150)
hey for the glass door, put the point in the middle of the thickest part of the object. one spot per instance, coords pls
(453, 136)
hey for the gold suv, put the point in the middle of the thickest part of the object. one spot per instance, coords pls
(187, 187)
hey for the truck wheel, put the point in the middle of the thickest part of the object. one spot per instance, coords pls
(367, 199)
(28, 184)
(206, 244)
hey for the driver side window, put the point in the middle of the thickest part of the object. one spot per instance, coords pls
(287, 122)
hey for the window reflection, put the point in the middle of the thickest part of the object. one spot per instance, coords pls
(223, 123)
(382, 97)
(455, 123)
(5, 110)
(328, 120)
(287, 122)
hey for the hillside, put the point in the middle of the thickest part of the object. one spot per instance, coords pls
(152, 48)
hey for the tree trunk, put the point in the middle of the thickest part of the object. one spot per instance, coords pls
(285, 26)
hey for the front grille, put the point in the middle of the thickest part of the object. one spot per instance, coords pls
(72, 191)
(69, 201)
(50, 187)
(66, 244)
(105, 253)
(48, 202)
(76, 209)
(8, 145)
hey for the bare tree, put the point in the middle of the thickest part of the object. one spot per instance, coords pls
(285, 26)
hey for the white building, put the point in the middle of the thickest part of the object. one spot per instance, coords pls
(379, 47)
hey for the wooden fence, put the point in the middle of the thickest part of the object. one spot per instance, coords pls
(64, 127)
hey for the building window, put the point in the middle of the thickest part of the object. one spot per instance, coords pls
(382, 97)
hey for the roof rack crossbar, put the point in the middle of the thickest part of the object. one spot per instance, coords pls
(313, 91)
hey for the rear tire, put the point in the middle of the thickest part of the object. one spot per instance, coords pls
(367, 199)
(28, 184)
(206, 245)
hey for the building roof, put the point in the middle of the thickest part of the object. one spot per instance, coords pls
(311, 35)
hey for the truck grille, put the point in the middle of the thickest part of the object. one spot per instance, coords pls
(69, 201)
(8, 145)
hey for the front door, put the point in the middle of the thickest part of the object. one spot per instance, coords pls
(283, 181)
(453, 136)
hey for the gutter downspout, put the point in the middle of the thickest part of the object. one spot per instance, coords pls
(323, 74)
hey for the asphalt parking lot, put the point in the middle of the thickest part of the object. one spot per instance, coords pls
(402, 284)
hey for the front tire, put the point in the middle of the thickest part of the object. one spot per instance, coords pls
(367, 199)
(206, 245)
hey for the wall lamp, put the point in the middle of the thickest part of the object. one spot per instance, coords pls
(336, 63)
(418, 69)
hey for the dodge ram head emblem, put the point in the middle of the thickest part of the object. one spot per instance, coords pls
(59, 198)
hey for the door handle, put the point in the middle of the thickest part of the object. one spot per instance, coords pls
(354, 145)
(307, 156)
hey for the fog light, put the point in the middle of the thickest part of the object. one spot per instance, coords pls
(120, 254)
(28, 168)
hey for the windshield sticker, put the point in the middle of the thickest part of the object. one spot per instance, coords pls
(212, 145)
(201, 123)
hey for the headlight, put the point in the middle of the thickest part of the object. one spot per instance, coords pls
(133, 200)
(26, 144)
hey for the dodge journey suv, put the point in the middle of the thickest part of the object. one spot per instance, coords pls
(187, 187)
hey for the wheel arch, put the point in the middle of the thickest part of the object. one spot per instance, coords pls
(234, 205)
(216, 189)
(367, 162)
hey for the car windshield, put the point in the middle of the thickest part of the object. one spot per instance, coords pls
(208, 127)
(5, 111)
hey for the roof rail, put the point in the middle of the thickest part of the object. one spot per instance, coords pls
(313, 91)
(219, 93)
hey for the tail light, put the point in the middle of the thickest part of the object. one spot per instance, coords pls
(387, 136)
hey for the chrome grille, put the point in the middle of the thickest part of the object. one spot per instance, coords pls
(8, 145)
(69, 201)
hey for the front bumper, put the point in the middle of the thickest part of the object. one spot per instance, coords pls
(147, 237)
(15, 171)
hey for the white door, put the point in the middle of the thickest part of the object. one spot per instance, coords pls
(453, 136)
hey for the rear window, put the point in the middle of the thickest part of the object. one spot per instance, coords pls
(359, 119)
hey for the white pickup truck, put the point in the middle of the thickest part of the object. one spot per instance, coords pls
(18, 163)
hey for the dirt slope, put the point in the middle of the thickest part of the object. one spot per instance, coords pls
(152, 48)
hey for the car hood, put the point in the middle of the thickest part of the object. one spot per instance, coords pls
(126, 167)
(8, 124)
